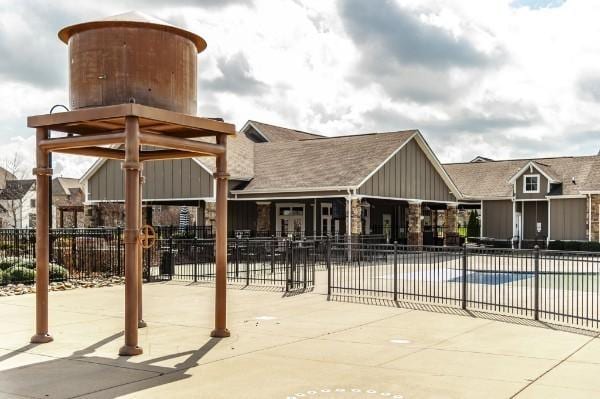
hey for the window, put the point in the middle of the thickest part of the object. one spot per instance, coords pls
(32, 203)
(531, 184)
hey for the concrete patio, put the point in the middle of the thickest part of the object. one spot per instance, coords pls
(300, 346)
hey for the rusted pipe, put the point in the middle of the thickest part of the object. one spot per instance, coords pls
(141, 322)
(166, 154)
(221, 176)
(42, 247)
(131, 168)
(109, 153)
(199, 147)
(81, 141)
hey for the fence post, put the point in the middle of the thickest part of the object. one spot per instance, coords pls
(536, 300)
(119, 264)
(290, 256)
(273, 254)
(171, 260)
(236, 254)
(395, 271)
(328, 264)
(464, 276)
(195, 251)
(248, 264)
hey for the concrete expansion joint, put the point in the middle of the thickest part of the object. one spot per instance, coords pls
(131, 165)
(43, 171)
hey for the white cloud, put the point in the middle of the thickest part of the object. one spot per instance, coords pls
(532, 89)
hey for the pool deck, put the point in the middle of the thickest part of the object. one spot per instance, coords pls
(287, 347)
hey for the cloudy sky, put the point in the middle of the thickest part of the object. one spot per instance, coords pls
(498, 78)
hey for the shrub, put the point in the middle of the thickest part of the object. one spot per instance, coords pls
(572, 245)
(590, 246)
(473, 226)
(557, 245)
(3, 277)
(19, 274)
(28, 263)
(57, 272)
(7, 262)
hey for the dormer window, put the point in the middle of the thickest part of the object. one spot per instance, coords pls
(531, 183)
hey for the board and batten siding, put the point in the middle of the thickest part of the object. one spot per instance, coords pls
(497, 219)
(568, 219)
(408, 174)
(519, 194)
(534, 212)
(165, 180)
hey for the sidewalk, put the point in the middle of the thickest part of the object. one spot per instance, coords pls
(284, 347)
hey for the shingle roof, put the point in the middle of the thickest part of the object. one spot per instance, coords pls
(277, 134)
(340, 161)
(16, 189)
(491, 179)
(65, 185)
(240, 157)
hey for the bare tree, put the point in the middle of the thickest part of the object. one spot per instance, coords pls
(12, 196)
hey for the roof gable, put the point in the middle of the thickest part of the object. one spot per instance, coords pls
(340, 162)
(277, 134)
(492, 179)
(540, 167)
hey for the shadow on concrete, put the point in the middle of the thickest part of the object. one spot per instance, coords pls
(449, 309)
(81, 373)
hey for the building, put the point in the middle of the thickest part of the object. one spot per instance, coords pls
(18, 196)
(286, 181)
(533, 200)
(17, 199)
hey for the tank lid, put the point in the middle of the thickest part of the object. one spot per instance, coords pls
(133, 18)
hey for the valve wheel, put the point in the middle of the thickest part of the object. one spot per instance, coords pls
(147, 236)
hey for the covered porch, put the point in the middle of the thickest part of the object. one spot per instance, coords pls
(382, 219)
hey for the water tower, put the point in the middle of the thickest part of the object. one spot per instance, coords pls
(132, 83)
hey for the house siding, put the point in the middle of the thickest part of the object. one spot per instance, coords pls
(408, 174)
(497, 219)
(535, 212)
(171, 179)
(568, 219)
(519, 194)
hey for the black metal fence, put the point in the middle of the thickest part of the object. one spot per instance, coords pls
(556, 286)
(561, 287)
(270, 262)
(179, 253)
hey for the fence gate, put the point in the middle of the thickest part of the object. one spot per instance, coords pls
(300, 265)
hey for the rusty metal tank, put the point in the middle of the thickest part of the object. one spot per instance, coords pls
(132, 57)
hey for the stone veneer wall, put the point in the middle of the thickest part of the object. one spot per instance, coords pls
(355, 217)
(90, 216)
(263, 216)
(415, 231)
(451, 222)
(210, 214)
(595, 199)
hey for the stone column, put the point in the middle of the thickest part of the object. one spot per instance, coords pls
(210, 214)
(595, 220)
(90, 216)
(451, 225)
(415, 231)
(355, 217)
(263, 218)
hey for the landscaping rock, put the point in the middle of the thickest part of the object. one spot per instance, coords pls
(22, 289)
